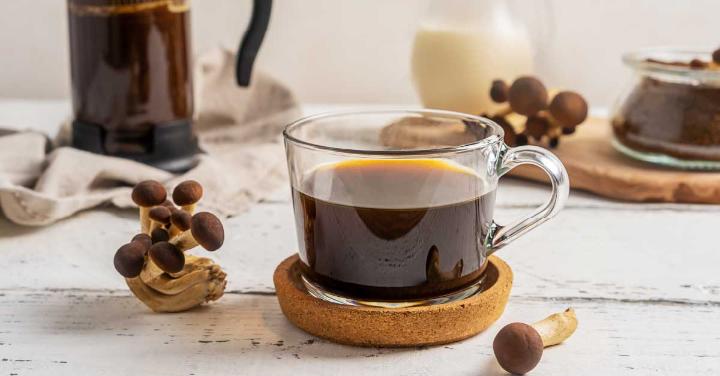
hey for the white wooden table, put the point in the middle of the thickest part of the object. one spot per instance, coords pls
(644, 280)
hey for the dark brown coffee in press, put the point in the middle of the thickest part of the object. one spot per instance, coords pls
(393, 229)
(130, 68)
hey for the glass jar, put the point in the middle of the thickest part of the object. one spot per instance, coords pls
(671, 114)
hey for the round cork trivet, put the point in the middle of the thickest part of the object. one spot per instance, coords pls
(392, 327)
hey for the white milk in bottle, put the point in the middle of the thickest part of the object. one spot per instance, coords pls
(462, 46)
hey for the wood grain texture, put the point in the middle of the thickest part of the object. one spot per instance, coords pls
(594, 165)
(103, 333)
(397, 327)
(573, 255)
(643, 279)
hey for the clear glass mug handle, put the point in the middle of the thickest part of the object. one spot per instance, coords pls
(533, 155)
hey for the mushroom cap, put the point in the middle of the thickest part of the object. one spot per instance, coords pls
(207, 230)
(130, 259)
(518, 348)
(499, 91)
(521, 139)
(536, 126)
(160, 214)
(527, 96)
(697, 64)
(716, 56)
(181, 219)
(187, 193)
(167, 257)
(159, 235)
(149, 193)
(569, 108)
(144, 239)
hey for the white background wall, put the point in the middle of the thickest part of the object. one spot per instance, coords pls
(358, 50)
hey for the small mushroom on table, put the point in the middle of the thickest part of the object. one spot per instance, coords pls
(518, 347)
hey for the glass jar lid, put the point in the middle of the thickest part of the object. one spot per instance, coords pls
(672, 64)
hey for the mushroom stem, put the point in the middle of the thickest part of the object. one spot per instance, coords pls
(190, 209)
(184, 241)
(557, 327)
(206, 230)
(155, 225)
(504, 111)
(145, 220)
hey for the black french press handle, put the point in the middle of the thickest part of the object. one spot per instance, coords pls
(252, 40)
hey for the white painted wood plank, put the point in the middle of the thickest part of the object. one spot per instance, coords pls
(75, 333)
(587, 253)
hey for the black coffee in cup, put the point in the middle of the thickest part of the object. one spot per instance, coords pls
(393, 229)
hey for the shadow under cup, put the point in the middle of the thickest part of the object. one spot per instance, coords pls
(395, 208)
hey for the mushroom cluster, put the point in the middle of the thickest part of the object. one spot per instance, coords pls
(154, 262)
(543, 119)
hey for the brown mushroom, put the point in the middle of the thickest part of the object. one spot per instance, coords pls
(159, 235)
(698, 64)
(536, 126)
(527, 96)
(167, 257)
(187, 194)
(569, 109)
(145, 239)
(159, 217)
(510, 134)
(180, 221)
(499, 91)
(716, 56)
(130, 259)
(518, 347)
(147, 194)
(206, 230)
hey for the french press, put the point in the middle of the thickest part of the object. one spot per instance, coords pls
(131, 77)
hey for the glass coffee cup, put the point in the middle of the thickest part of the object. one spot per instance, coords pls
(389, 224)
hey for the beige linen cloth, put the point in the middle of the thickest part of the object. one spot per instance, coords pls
(239, 128)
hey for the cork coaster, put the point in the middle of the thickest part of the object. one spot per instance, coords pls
(393, 327)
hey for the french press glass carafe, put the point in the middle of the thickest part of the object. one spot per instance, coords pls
(131, 77)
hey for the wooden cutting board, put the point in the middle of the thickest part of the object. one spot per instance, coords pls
(595, 166)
